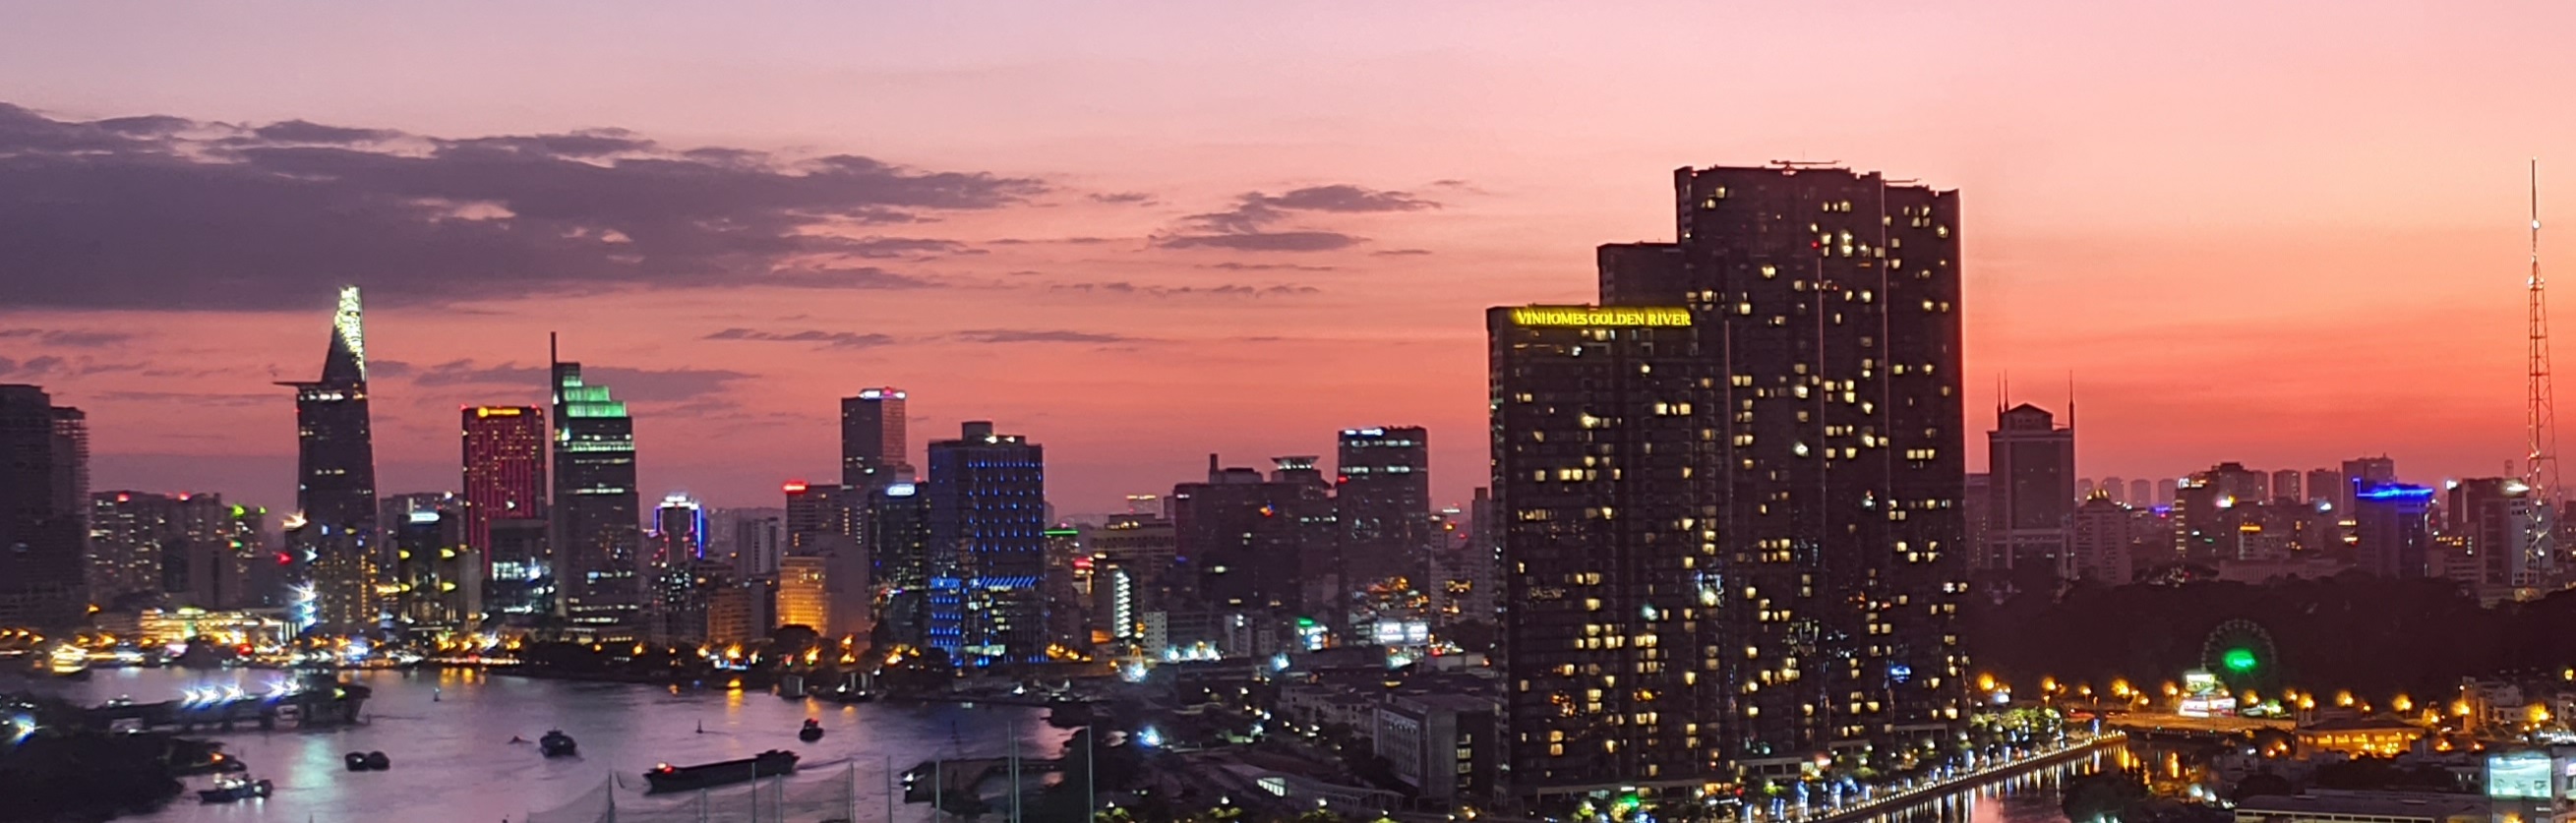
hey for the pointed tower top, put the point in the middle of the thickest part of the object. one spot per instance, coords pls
(347, 362)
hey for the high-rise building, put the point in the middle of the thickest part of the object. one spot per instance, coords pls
(1256, 545)
(505, 472)
(2285, 486)
(332, 540)
(873, 444)
(902, 563)
(2031, 462)
(1132, 556)
(817, 513)
(679, 531)
(1382, 500)
(2505, 534)
(186, 549)
(1616, 588)
(2321, 485)
(2362, 473)
(2099, 540)
(598, 540)
(760, 538)
(1828, 305)
(988, 520)
(675, 602)
(804, 598)
(44, 497)
(521, 580)
(2115, 490)
(2210, 507)
(438, 577)
(2392, 529)
(2083, 491)
(2165, 488)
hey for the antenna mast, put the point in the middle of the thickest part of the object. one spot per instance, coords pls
(2540, 465)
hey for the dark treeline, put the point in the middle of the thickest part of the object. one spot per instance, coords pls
(2372, 636)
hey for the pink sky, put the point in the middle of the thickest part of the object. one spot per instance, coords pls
(2284, 236)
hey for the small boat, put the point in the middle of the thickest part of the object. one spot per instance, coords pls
(813, 731)
(367, 761)
(231, 789)
(669, 778)
(557, 744)
(378, 761)
(357, 761)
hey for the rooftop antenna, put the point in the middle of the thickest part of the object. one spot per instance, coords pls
(2540, 464)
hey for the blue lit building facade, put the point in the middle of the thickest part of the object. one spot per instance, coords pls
(2392, 527)
(988, 519)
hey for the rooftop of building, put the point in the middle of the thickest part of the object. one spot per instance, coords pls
(2369, 804)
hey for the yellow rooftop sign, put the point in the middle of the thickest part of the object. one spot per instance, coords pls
(1600, 316)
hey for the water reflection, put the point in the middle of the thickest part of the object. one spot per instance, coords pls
(448, 733)
(2029, 797)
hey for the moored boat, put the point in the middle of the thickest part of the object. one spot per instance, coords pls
(813, 731)
(558, 744)
(230, 789)
(669, 778)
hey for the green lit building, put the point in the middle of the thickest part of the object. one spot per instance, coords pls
(596, 539)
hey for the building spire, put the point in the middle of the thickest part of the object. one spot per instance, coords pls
(347, 362)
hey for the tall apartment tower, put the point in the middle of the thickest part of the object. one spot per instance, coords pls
(2360, 474)
(2285, 486)
(1826, 557)
(2031, 461)
(988, 520)
(505, 478)
(873, 444)
(44, 497)
(1382, 501)
(332, 541)
(598, 542)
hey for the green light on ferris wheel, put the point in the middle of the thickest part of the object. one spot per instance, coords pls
(2238, 660)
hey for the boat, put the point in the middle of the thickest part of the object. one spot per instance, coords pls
(367, 761)
(357, 761)
(378, 761)
(813, 731)
(669, 778)
(231, 789)
(558, 744)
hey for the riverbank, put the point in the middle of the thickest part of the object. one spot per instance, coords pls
(1918, 795)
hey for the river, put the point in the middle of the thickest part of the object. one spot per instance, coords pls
(2027, 797)
(448, 734)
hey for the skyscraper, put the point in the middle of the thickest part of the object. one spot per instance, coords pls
(2285, 486)
(1614, 659)
(438, 577)
(903, 563)
(2142, 493)
(2115, 490)
(1827, 356)
(2321, 486)
(675, 608)
(1253, 543)
(332, 538)
(185, 549)
(988, 519)
(44, 531)
(2031, 460)
(505, 470)
(873, 443)
(597, 543)
(2392, 529)
(2505, 534)
(2098, 540)
(1382, 499)
(2362, 473)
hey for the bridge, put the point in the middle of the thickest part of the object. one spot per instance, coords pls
(2183, 727)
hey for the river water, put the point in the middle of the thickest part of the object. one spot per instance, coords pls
(448, 734)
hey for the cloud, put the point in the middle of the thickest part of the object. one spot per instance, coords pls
(1248, 225)
(1231, 266)
(854, 277)
(1401, 252)
(1227, 290)
(166, 213)
(30, 368)
(829, 339)
(1124, 198)
(882, 247)
(1040, 336)
(625, 383)
(72, 338)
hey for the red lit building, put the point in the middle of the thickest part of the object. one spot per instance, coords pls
(505, 469)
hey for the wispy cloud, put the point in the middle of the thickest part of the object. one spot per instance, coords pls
(825, 339)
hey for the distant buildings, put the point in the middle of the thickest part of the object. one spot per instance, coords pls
(2393, 535)
(873, 441)
(182, 549)
(1252, 544)
(437, 576)
(598, 539)
(988, 521)
(1381, 495)
(332, 538)
(2100, 536)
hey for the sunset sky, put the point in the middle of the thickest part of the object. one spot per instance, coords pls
(1144, 232)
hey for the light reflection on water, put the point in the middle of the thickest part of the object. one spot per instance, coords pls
(448, 733)
(2029, 797)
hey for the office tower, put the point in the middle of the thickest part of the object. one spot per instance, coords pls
(673, 549)
(737, 609)
(1616, 590)
(1067, 589)
(679, 531)
(902, 563)
(803, 596)
(595, 513)
(2321, 486)
(760, 538)
(43, 497)
(817, 514)
(1829, 306)
(988, 521)
(1482, 601)
(2165, 490)
(2142, 494)
(2362, 473)
(2031, 466)
(873, 444)
(2210, 507)
(1263, 546)
(437, 575)
(150, 549)
(521, 579)
(2506, 534)
(2392, 529)
(1132, 555)
(1382, 498)
(2099, 539)
(505, 476)
(332, 540)
(2285, 486)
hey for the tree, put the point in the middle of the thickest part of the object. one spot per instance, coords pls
(2262, 784)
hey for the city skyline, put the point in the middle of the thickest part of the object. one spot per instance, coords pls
(2197, 275)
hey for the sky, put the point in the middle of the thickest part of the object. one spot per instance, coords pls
(2284, 234)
